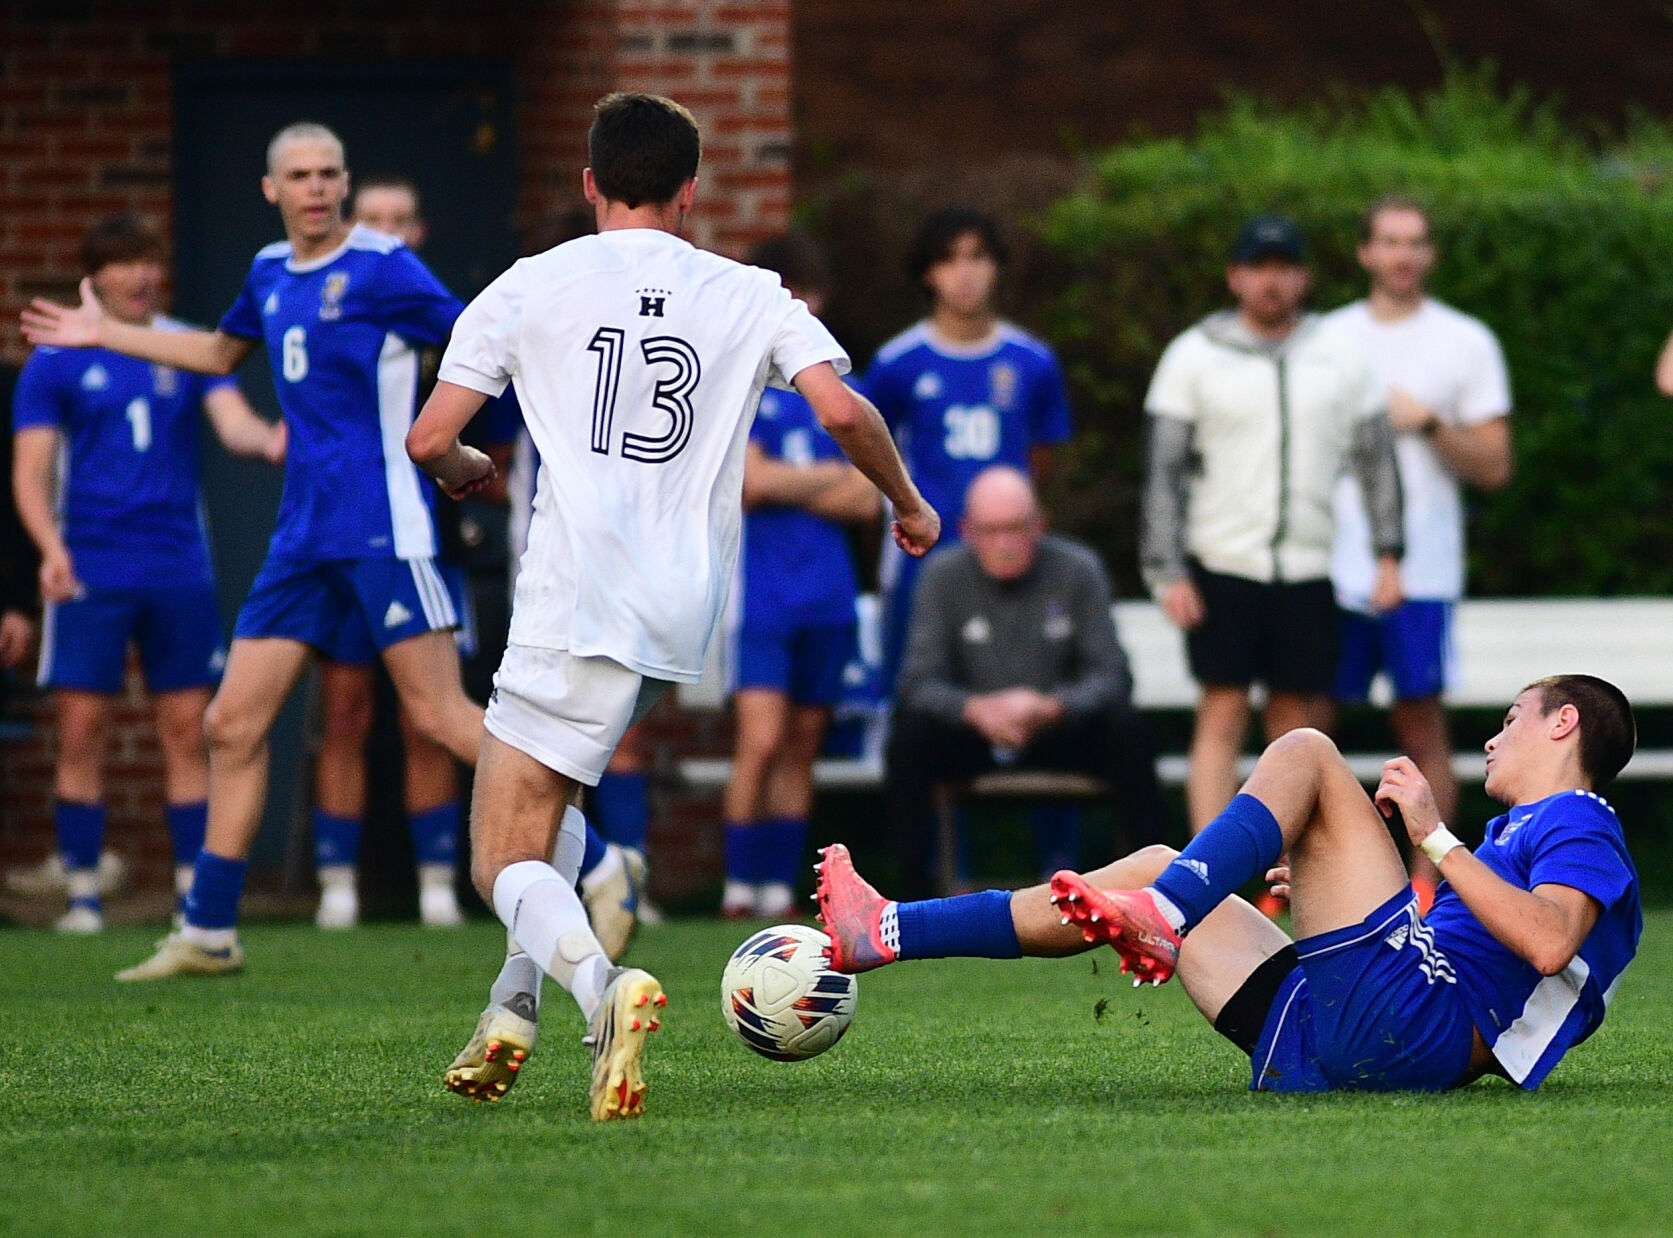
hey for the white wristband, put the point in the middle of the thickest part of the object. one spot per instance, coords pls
(1440, 841)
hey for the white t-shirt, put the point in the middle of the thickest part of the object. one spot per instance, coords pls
(1273, 428)
(639, 363)
(1451, 363)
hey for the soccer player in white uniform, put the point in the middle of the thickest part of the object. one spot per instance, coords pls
(1449, 402)
(341, 310)
(639, 361)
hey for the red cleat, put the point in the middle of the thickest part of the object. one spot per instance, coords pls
(1125, 920)
(852, 913)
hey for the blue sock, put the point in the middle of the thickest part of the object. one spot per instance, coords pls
(974, 926)
(622, 804)
(1057, 835)
(785, 839)
(336, 839)
(594, 852)
(743, 845)
(435, 834)
(81, 832)
(1237, 846)
(187, 824)
(217, 885)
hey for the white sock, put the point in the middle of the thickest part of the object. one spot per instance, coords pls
(83, 884)
(435, 876)
(182, 880)
(210, 939)
(544, 916)
(571, 845)
(738, 894)
(337, 877)
(1165, 905)
(606, 869)
(776, 898)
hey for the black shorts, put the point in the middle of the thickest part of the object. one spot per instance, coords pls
(1285, 635)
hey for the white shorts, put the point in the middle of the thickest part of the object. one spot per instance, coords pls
(566, 712)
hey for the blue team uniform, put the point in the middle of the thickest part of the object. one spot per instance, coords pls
(355, 539)
(1393, 1002)
(132, 518)
(955, 412)
(796, 629)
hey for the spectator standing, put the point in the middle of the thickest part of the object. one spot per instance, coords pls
(106, 478)
(1253, 414)
(793, 631)
(1013, 660)
(1448, 397)
(961, 390)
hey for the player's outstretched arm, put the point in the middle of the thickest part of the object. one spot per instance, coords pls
(34, 452)
(1545, 926)
(854, 422)
(88, 326)
(434, 446)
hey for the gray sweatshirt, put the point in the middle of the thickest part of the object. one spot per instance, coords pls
(1051, 630)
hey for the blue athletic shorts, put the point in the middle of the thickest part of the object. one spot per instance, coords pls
(1372, 1007)
(1412, 644)
(177, 626)
(332, 603)
(804, 663)
(353, 643)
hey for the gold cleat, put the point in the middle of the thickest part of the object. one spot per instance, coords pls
(178, 956)
(629, 1011)
(487, 1067)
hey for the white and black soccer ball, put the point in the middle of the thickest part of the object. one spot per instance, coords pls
(781, 997)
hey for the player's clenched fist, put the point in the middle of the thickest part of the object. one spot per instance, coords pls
(916, 532)
(1403, 788)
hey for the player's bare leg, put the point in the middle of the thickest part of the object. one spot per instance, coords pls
(1420, 729)
(1216, 741)
(517, 811)
(425, 671)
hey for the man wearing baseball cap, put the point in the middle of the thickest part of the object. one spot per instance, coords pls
(1253, 414)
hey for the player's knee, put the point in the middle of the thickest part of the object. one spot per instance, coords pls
(227, 732)
(1305, 744)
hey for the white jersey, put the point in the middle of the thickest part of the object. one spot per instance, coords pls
(639, 363)
(1452, 364)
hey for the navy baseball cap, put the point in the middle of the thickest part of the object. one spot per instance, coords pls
(1269, 236)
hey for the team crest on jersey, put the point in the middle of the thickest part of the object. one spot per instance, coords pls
(165, 383)
(95, 378)
(928, 386)
(271, 305)
(1002, 385)
(1511, 826)
(331, 296)
(652, 301)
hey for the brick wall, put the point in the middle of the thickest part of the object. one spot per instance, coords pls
(86, 129)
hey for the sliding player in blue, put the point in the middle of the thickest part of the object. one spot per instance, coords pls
(1515, 964)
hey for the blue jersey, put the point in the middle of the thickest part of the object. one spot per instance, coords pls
(957, 410)
(796, 568)
(342, 335)
(1529, 1020)
(130, 463)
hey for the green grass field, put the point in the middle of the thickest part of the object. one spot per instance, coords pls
(304, 1097)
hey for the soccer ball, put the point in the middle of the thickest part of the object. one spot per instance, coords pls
(781, 997)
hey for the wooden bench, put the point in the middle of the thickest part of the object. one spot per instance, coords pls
(1500, 646)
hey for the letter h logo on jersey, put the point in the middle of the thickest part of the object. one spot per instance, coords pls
(651, 301)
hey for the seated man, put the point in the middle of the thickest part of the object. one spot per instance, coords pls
(1012, 659)
(1515, 964)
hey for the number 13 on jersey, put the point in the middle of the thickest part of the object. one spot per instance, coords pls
(671, 394)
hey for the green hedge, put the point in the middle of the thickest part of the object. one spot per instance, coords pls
(1566, 252)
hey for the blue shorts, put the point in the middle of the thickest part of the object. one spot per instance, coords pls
(1412, 644)
(84, 643)
(333, 603)
(804, 663)
(354, 643)
(1372, 1007)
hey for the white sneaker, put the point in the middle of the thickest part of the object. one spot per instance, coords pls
(776, 901)
(49, 877)
(613, 901)
(488, 1064)
(339, 908)
(179, 956)
(80, 919)
(438, 907)
(629, 1010)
